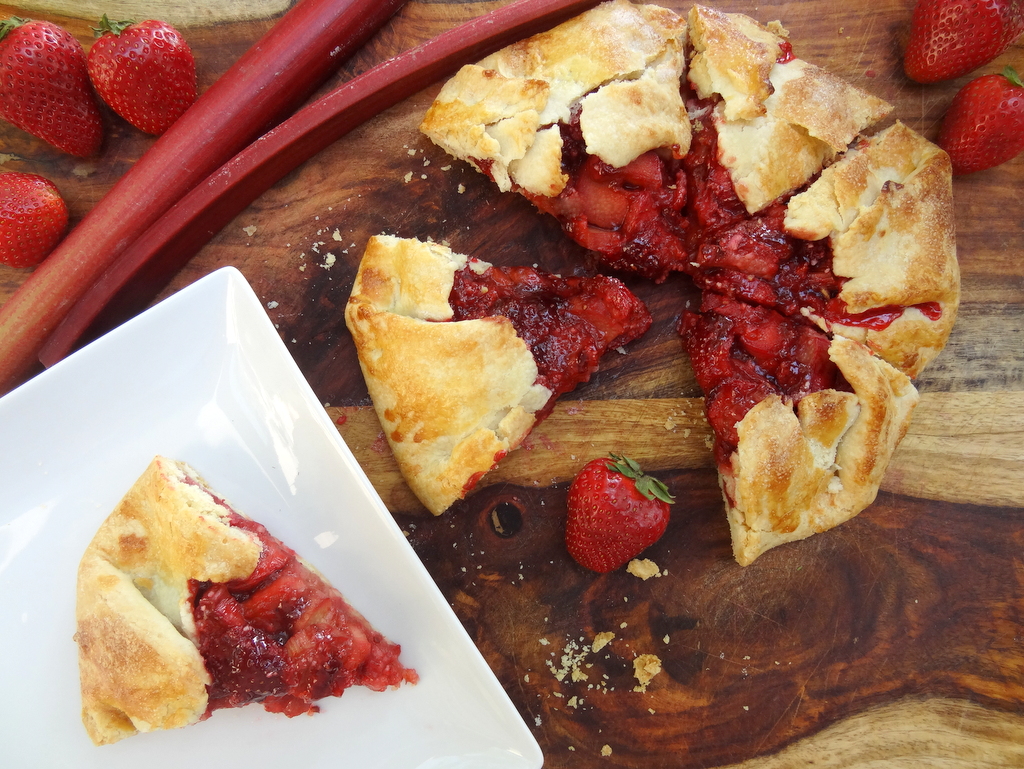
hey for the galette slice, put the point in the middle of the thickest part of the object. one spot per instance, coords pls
(462, 358)
(587, 121)
(885, 210)
(185, 606)
(779, 119)
(804, 425)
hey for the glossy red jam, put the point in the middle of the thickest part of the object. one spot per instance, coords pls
(567, 322)
(285, 638)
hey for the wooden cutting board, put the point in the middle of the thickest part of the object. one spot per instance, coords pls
(897, 637)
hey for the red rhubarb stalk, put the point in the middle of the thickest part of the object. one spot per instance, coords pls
(149, 263)
(268, 83)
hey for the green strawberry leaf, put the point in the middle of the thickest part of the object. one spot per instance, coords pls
(650, 487)
(1011, 74)
(12, 23)
(116, 27)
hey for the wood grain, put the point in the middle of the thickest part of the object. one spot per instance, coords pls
(965, 448)
(175, 12)
(894, 640)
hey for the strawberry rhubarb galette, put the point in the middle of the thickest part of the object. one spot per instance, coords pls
(463, 358)
(186, 606)
(824, 251)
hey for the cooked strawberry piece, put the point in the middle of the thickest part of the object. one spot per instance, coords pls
(741, 353)
(279, 601)
(728, 403)
(630, 216)
(285, 638)
(707, 339)
(244, 662)
(567, 322)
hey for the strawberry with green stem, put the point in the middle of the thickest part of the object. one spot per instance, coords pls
(984, 125)
(615, 512)
(144, 71)
(33, 218)
(44, 86)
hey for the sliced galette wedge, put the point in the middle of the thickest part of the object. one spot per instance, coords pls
(185, 606)
(462, 358)
(886, 210)
(779, 119)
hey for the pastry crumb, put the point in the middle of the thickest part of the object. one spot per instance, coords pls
(601, 640)
(645, 668)
(606, 750)
(250, 230)
(644, 568)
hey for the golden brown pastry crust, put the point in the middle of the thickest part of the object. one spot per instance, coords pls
(733, 57)
(887, 208)
(139, 667)
(453, 398)
(778, 124)
(621, 63)
(803, 470)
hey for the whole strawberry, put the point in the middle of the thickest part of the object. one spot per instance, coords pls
(33, 219)
(984, 125)
(44, 86)
(615, 512)
(949, 38)
(144, 71)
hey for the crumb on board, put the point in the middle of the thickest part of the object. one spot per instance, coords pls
(601, 640)
(645, 668)
(606, 750)
(644, 568)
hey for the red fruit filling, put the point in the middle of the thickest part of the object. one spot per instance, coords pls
(567, 322)
(742, 353)
(631, 216)
(283, 637)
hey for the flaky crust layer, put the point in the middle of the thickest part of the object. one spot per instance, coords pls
(801, 470)
(453, 398)
(778, 123)
(887, 208)
(139, 667)
(619, 63)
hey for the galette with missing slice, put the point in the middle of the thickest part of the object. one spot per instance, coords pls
(463, 358)
(185, 606)
(823, 248)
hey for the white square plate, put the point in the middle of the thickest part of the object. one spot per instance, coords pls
(203, 377)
